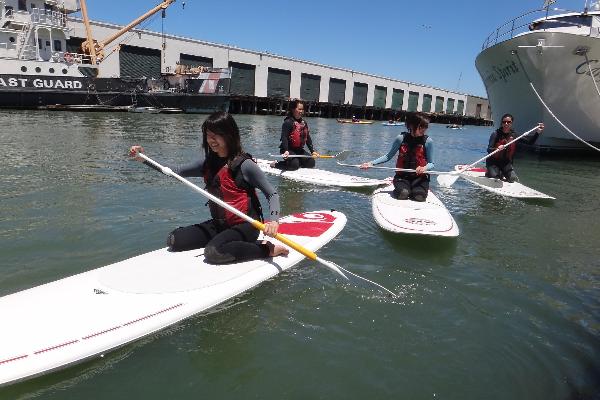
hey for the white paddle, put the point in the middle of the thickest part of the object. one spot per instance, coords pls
(396, 169)
(257, 224)
(448, 180)
(340, 156)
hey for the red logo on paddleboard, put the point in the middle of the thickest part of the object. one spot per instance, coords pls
(306, 224)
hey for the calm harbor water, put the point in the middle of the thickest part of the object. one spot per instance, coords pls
(509, 310)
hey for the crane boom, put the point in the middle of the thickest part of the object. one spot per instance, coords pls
(96, 48)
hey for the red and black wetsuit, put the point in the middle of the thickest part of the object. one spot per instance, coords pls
(500, 165)
(295, 134)
(226, 238)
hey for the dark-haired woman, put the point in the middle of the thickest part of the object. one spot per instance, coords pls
(415, 151)
(294, 136)
(233, 176)
(500, 165)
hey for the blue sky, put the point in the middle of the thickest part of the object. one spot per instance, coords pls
(427, 42)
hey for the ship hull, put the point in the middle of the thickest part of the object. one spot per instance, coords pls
(34, 92)
(561, 77)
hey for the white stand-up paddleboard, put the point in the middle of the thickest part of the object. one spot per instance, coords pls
(86, 315)
(429, 217)
(515, 189)
(320, 177)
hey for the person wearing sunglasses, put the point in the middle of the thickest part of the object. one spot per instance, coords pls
(500, 165)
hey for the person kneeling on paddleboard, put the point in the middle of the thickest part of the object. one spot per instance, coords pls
(415, 152)
(294, 136)
(501, 164)
(231, 175)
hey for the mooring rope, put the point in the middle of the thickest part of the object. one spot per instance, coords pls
(548, 108)
(591, 74)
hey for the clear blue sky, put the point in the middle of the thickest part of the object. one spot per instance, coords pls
(427, 42)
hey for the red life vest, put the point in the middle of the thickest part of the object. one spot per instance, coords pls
(299, 134)
(229, 185)
(508, 153)
(412, 153)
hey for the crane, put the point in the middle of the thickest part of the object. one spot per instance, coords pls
(95, 48)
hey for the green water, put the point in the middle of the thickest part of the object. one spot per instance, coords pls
(509, 310)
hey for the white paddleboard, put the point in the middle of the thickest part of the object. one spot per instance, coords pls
(320, 177)
(84, 316)
(517, 190)
(429, 217)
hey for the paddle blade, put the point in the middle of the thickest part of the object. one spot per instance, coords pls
(343, 155)
(447, 180)
(332, 266)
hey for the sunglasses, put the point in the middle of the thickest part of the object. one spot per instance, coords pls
(507, 122)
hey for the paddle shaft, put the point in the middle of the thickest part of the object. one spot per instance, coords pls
(340, 155)
(496, 151)
(396, 169)
(257, 224)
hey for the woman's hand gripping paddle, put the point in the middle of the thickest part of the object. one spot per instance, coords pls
(260, 226)
(449, 179)
(340, 156)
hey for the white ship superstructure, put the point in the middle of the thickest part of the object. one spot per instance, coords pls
(556, 55)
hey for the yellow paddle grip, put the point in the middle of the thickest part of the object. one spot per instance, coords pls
(305, 252)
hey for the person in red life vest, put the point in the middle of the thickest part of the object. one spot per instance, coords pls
(415, 151)
(501, 164)
(294, 136)
(231, 175)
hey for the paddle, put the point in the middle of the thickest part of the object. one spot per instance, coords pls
(257, 224)
(396, 169)
(449, 179)
(340, 156)
(260, 226)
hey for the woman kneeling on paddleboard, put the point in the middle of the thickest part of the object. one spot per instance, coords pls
(232, 175)
(294, 136)
(415, 152)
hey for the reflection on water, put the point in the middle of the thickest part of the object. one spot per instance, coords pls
(512, 303)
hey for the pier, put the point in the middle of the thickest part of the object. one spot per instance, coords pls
(264, 83)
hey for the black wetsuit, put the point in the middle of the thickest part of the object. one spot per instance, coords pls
(293, 163)
(226, 244)
(500, 165)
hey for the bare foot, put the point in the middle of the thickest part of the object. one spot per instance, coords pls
(276, 249)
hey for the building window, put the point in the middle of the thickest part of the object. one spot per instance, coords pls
(40, 43)
(9, 11)
(22, 5)
(12, 39)
(57, 45)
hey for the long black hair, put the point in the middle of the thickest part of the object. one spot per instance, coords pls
(415, 121)
(222, 124)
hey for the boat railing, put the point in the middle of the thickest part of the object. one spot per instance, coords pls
(73, 58)
(523, 23)
(509, 29)
(48, 17)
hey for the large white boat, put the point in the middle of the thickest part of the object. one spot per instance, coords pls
(37, 70)
(544, 66)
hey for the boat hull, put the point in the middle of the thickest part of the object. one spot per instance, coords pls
(560, 76)
(34, 92)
